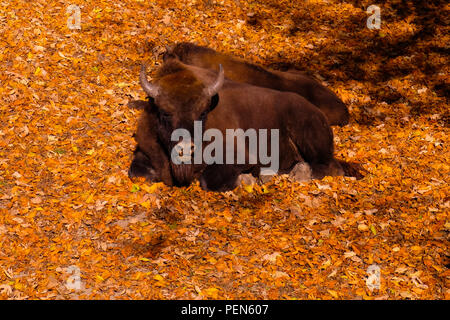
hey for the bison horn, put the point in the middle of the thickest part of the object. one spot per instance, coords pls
(150, 89)
(217, 85)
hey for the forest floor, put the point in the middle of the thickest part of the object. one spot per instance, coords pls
(69, 212)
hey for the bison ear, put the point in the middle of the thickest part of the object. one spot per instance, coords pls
(147, 105)
(151, 105)
(137, 104)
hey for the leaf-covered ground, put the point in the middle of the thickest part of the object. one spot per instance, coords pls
(67, 204)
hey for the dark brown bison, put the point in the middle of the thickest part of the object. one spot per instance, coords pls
(182, 94)
(242, 71)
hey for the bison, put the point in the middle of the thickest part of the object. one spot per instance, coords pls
(183, 96)
(242, 71)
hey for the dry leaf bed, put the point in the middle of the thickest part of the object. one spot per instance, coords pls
(66, 143)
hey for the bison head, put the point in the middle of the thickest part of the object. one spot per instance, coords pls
(179, 99)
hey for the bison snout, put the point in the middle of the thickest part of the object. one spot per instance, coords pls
(183, 152)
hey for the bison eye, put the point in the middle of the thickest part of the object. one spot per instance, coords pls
(151, 101)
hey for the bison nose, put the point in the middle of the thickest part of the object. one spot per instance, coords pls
(189, 152)
(183, 152)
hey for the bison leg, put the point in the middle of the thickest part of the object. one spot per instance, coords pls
(219, 178)
(142, 166)
(313, 140)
